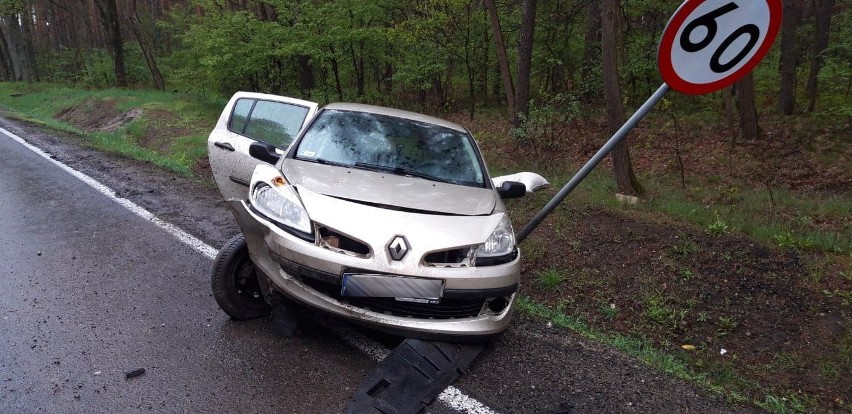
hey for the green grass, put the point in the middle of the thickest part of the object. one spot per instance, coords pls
(816, 222)
(550, 279)
(659, 310)
(720, 380)
(725, 325)
(782, 219)
(685, 247)
(41, 103)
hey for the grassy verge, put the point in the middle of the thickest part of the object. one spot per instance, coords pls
(709, 286)
(817, 222)
(735, 388)
(178, 123)
(774, 217)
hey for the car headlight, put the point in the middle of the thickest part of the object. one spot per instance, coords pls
(501, 243)
(282, 204)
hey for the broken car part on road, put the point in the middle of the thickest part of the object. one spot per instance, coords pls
(412, 376)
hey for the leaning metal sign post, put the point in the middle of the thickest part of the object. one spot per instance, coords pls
(707, 46)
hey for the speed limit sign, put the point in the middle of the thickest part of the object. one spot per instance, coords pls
(710, 44)
(707, 46)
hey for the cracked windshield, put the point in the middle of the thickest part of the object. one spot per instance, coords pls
(384, 143)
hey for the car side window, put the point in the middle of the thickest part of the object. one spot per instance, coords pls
(240, 115)
(275, 123)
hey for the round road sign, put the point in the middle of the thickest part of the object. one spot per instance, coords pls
(710, 44)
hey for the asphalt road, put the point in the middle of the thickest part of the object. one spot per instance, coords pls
(90, 291)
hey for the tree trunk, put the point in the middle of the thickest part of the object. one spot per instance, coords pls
(502, 57)
(822, 30)
(789, 60)
(591, 46)
(730, 107)
(483, 65)
(146, 47)
(18, 58)
(469, 67)
(611, 29)
(749, 127)
(335, 70)
(109, 18)
(26, 19)
(8, 71)
(525, 48)
(359, 70)
(306, 74)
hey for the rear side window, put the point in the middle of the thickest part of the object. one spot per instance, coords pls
(240, 115)
(275, 123)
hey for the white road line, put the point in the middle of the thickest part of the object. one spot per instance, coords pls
(451, 396)
(462, 402)
(181, 235)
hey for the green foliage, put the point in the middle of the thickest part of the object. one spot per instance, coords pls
(645, 20)
(836, 76)
(659, 310)
(11, 6)
(845, 296)
(226, 51)
(550, 279)
(787, 404)
(783, 218)
(234, 50)
(718, 227)
(540, 133)
(42, 102)
(725, 325)
(786, 240)
(412, 54)
(421, 69)
(610, 310)
(685, 247)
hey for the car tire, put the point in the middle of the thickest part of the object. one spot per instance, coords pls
(235, 282)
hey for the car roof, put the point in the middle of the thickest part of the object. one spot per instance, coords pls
(398, 113)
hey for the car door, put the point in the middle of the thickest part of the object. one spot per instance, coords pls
(249, 118)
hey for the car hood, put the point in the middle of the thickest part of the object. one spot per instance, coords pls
(390, 189)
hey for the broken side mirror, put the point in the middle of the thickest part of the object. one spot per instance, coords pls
(511, 189)
(531, 181)
(264, 152)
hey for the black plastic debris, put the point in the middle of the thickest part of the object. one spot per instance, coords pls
(564, 408)
(283, 319)
(412, 376)
(133, 374)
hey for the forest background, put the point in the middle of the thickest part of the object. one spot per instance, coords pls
(743, 231)
(432, 55)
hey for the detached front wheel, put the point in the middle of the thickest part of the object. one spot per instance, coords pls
(235, 282)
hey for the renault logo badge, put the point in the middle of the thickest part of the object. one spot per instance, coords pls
(398, 247)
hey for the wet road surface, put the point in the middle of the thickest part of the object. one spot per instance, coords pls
(90, 291)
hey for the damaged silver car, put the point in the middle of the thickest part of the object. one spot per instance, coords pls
(384, 217)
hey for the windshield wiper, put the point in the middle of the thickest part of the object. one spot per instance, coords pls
(326, 162)
(401, 171)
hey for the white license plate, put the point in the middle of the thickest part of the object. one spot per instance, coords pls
(384, 286)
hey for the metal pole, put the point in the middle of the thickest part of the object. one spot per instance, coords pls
(596, 159)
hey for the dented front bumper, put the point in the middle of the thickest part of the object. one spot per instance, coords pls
(474, 301)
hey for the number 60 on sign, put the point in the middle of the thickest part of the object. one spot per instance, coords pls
(710, 44)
